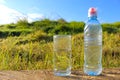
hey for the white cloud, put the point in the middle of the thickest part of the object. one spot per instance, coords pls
(9, 15)
(34, 16)
(2, 1)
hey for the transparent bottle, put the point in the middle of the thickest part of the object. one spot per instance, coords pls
(92, 44)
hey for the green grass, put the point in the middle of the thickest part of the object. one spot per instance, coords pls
(36, 51)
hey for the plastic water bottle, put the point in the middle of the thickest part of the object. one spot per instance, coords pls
(92, 44)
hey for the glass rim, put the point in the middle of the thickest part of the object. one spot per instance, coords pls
(61, 36)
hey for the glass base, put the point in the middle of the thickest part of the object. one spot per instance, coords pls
(62, 73)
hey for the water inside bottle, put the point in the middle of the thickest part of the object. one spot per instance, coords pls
(92, 65)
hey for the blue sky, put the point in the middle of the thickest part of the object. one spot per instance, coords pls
(70, 10)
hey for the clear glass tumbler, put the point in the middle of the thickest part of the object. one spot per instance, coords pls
(62, 55)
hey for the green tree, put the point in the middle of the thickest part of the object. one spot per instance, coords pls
(61, 21)
(110, 28)
(62, 29)
(22, 23)
(117, 24)
(77, 27)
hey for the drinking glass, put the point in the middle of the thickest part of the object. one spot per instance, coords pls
(62, 55)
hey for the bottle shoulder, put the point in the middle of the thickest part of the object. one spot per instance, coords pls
(93, 28)
(93, 23)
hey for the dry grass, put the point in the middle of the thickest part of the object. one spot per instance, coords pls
(38, 54)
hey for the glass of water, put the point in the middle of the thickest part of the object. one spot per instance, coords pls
(62, 55)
